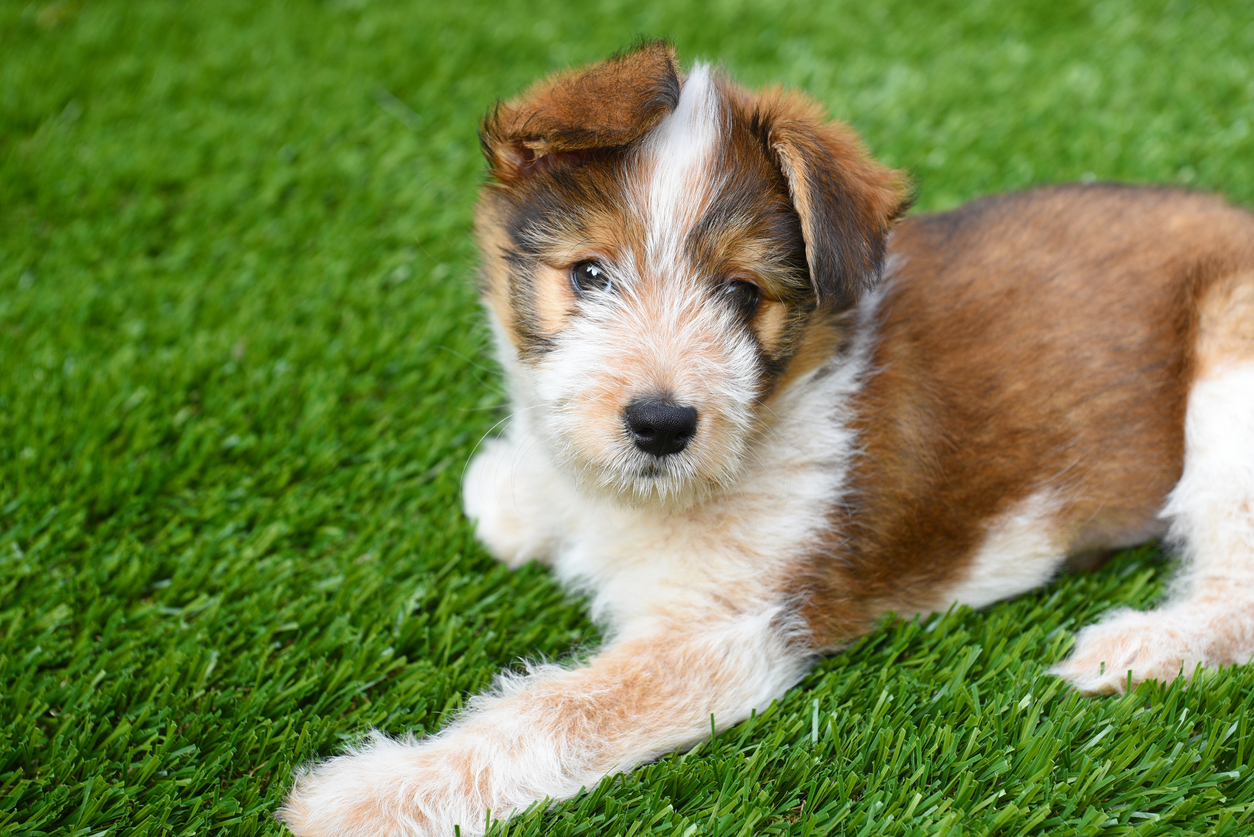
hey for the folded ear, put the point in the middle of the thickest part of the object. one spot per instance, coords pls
(601, 106)
(846, 201)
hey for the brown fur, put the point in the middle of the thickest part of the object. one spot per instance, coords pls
(1028, 341)
(529, 245)
(553, 300)
(846, 201)
(1226, 324)
(494, 248)
(605, 105)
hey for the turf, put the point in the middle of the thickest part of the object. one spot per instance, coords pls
(241, 372)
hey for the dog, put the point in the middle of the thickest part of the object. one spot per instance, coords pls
(754, 409)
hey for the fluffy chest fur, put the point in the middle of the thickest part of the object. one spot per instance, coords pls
(739, 546)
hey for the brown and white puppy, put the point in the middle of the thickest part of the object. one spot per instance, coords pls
(751, 415)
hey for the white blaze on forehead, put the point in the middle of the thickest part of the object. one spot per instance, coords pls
(679, 157)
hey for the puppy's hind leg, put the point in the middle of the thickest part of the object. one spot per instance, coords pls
(1209, 619)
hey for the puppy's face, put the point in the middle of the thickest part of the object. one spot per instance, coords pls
(648, 262)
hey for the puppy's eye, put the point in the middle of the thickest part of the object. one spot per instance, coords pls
(743, 296)
(589, 278)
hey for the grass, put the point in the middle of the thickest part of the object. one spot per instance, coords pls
(241, 372)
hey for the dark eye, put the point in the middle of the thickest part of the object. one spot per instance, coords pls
(743, 296)
(589, 278)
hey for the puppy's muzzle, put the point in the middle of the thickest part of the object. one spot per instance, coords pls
(659, 428)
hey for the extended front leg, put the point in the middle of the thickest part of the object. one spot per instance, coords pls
(553, 731)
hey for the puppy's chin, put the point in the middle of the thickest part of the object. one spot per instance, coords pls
(638, 480)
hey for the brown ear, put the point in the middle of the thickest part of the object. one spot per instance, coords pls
(846, 200)
(601, 106)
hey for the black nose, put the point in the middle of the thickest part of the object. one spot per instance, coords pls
(659, 428)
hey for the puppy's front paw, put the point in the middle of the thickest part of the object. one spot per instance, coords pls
(513, 509)
(1137, 646)
(386, 788)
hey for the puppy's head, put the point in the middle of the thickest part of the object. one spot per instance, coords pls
(660, 253)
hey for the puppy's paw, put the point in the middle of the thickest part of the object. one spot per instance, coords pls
(386, 788)
(1131, 645)
(511, 509)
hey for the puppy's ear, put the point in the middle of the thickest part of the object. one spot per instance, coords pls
(563, 117)
(846, 201)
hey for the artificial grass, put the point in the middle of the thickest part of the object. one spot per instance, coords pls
(241, 373)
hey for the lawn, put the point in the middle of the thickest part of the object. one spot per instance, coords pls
(242, 371)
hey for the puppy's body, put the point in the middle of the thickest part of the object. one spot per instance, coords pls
(1028, 389)
(747, 435)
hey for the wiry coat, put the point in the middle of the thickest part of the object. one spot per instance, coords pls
(752, 412)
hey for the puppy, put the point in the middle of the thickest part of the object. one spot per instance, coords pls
(752, 412)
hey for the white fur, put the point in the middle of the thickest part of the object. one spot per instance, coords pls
(677, 343)
(1211, 509)
(678, 157)
(1021, 551)
(745, 540)
(509, 518)
(658, 331)
(1209, 619)
(641, 560)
